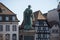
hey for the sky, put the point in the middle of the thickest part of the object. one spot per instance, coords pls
(18, 6)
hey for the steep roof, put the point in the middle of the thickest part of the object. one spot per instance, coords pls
(39, 16)
(45, 15)
(5, 10)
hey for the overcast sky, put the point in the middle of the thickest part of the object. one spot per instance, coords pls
(18, 6)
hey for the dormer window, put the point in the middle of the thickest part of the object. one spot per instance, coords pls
(0, 18)
(0, 10)
(7, 18)
(13, 18)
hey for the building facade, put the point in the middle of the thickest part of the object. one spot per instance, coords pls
(41, 27)
(53, 17)
(8, 24)
(54, 32)
(45, 28)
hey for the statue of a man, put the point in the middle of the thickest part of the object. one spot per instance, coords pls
(28, 18)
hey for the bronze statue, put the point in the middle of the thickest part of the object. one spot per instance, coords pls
(28, 18)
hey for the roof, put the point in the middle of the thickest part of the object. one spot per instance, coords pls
(5, 9)
(53, 23)
(45, 15)
(38, 15)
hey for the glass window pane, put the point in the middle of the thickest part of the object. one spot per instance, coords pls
(7, 37)
(47, 28)
(41, 28)
(14, 37)
(0, 18)
(13, 18)
(41, 35)
(41, 23)
(37, 23)
(7, 18)
(45, 24)
(1, 27)
(44, 28)
(14, 28)
(55, 31)
(7, 27)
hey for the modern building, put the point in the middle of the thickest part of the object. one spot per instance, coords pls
(41, 26)
(8, 24)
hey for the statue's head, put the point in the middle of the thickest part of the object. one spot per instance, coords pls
(29, 6)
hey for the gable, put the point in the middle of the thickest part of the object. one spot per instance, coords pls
(5, 10)
(40, 16)
(55, 27)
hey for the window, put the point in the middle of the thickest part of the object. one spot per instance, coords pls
(39, 28)
(45, 24)
(0, 18)
(1, 36)
(47, 28)
(14, 37)
(0, 10)
(7, 37)
(14, 28)
(7, 18)
(37, 23)
(54, 31)
(13, 18)
(41, 23)
(48, 35)
(7, 27)
(44, 35)
(21, 37)
(39, 35)
(44, 28)
(1, 28)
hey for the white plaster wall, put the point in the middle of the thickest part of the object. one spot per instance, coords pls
(9, 32)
